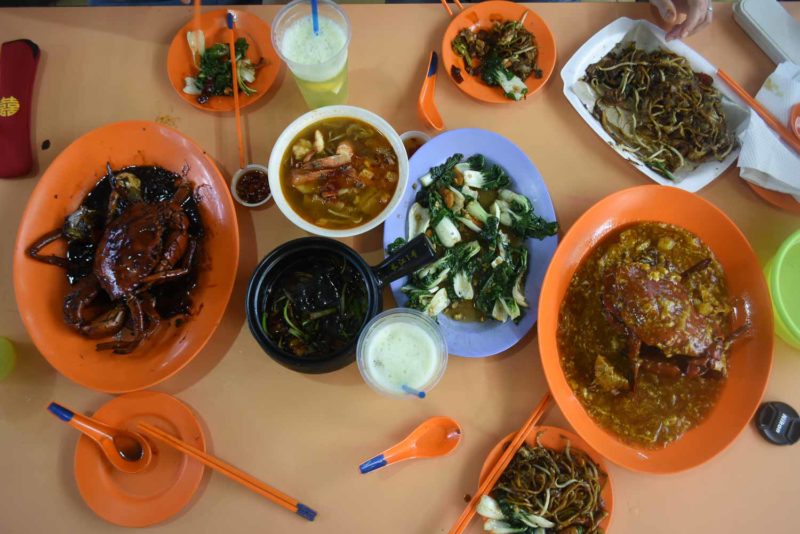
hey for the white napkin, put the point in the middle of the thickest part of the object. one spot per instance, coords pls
(765, 160)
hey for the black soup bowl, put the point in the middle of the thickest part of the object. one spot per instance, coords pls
(299, 253)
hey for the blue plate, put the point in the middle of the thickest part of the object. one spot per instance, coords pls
(475, 339)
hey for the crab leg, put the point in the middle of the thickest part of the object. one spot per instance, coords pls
(697, 267)
(149, 308)
(634, 347)
(78, 301)
(164, 276)
(33, 250)
(137, 316)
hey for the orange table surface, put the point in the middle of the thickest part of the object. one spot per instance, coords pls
(307, 434)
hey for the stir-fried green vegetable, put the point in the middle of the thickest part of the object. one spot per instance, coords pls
(478, 227)
(545, 491)
(317, 307)
(503, 56)
(495, 74)
(214, 77)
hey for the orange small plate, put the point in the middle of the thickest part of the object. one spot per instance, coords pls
(482, 16)
(40, 288)
(750, 357)
(168, 483)
(556, 438)
(249, 26)
(780, 200)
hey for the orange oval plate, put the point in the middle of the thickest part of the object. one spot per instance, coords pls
(750, 358)
(249, 26)
(481, 16)
(555, 438)
(168, 483)
(40, 288)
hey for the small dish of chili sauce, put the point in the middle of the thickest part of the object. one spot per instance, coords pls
(250, 186)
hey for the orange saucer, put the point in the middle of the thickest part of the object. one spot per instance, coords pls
(259, 37)
(168, 483)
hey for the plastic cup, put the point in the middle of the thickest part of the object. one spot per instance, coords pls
(418, 361)
(317, 62)
(783, 278)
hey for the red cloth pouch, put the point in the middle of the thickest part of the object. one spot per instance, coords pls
(18, 60)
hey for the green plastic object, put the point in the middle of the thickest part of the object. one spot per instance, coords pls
(783, 278)
(8, 357)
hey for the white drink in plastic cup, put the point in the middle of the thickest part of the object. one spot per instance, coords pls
(401, 347)
(317, 62)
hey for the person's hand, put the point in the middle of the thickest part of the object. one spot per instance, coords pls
(698, 15)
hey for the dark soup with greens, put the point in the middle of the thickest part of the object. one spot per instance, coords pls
(339, 173)
(316, 306)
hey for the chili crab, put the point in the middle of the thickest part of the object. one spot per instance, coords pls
(666, 332)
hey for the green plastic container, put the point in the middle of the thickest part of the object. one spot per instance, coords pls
(783, 278)
(8, 357)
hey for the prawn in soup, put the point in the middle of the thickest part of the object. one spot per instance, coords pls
(339, 173)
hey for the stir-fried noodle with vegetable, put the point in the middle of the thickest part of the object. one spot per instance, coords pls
(655, 106)
(542, 488)
(505, 55)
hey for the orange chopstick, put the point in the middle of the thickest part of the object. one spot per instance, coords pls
(235, 81)
(450, 11)
(231, 472)
(196, 15)
(773, 123)
(500, 466)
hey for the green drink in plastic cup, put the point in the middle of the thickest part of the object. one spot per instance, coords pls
(317, 62)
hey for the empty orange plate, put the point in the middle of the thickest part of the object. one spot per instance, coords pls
(215, 30)
(750, 358)
(482, 16)
(40, 288)
(556, 439)
(168, 483)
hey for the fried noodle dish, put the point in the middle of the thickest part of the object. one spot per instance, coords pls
(549, 491)
(505, 56)
(654, 106)
(132, 255)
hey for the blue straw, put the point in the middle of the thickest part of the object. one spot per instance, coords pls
(412, 391)
(314, 17)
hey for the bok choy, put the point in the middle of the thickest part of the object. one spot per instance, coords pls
(214, 76)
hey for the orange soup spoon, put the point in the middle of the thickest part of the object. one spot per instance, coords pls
(425, 104)
(127, 451)
(436, 436)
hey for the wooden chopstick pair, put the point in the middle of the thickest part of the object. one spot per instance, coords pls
(494, 475)
(773, 123)
(231, 472)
